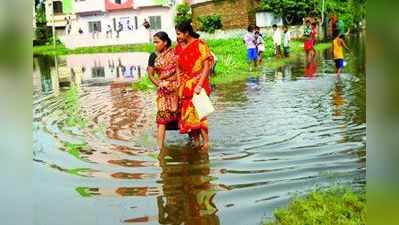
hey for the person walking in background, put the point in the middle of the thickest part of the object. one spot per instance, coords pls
(109, 31)
(286, 38)
(338, 52)
(147, 26)
(332, 26)
(276, 41)
(129, 27)
(119, 29)
(308, 43)
(260, 46)
(260, 43)
(250, 42)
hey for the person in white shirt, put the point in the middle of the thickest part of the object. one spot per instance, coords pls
(260, 44)
(250, 41)
(286, 38)
(276, 40)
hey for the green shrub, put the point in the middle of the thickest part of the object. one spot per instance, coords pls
(183, 13)
(210, 23)
(338, 206)
(57, 41)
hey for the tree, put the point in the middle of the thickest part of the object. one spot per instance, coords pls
(350, 11)
(210, 23)
(290, 10)
(40, 13)
(183, 13)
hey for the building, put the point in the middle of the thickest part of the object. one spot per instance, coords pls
(111, 22)
(59, 13)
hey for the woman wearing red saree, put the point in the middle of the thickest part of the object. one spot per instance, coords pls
(193, 65)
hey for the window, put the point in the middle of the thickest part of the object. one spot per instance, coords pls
(118, 2)
(136, 22)
(155, 22)
(97, 72)
(94, 26)
(57, 8)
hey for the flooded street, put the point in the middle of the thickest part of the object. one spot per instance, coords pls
(279, 133)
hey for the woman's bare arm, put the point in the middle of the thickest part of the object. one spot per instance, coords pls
(204, 74)
(151, 73)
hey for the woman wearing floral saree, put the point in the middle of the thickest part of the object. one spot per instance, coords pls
(164, 64)
(193, 65)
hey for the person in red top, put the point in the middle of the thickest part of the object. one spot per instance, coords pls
(194, 65)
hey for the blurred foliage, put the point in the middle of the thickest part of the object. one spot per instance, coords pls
(350, 11)
(183, 13)
(210, 23)
(40, 13)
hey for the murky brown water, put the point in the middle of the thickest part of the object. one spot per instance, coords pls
(286, 131)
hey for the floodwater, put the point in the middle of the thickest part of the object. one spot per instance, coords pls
(282, 133)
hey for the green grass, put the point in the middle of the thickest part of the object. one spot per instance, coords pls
(337, 206)
(231, 53)
(232, 62)
(61, 50)
(144, 84)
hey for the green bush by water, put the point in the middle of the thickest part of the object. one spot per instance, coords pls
(338, 206)
(210, 23)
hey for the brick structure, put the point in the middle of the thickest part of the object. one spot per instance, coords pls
(234, 13)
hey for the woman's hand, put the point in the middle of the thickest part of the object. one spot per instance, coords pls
(163, 83)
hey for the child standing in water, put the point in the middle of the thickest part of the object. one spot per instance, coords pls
(286, 38)
(276, 40)
(260, 46)
(250, 42)
(338, 52)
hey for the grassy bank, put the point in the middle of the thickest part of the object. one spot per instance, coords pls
(232, 58)
(337, 206)
(231, 54)
(61, 50)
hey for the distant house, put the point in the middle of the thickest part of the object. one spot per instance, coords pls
(93, 17)
(267, 19)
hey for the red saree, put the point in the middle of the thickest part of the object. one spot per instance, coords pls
(190, 62)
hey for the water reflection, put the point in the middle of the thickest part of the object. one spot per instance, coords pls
(311, 68)
(337, 97)
(188, 191)
(64, 71)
